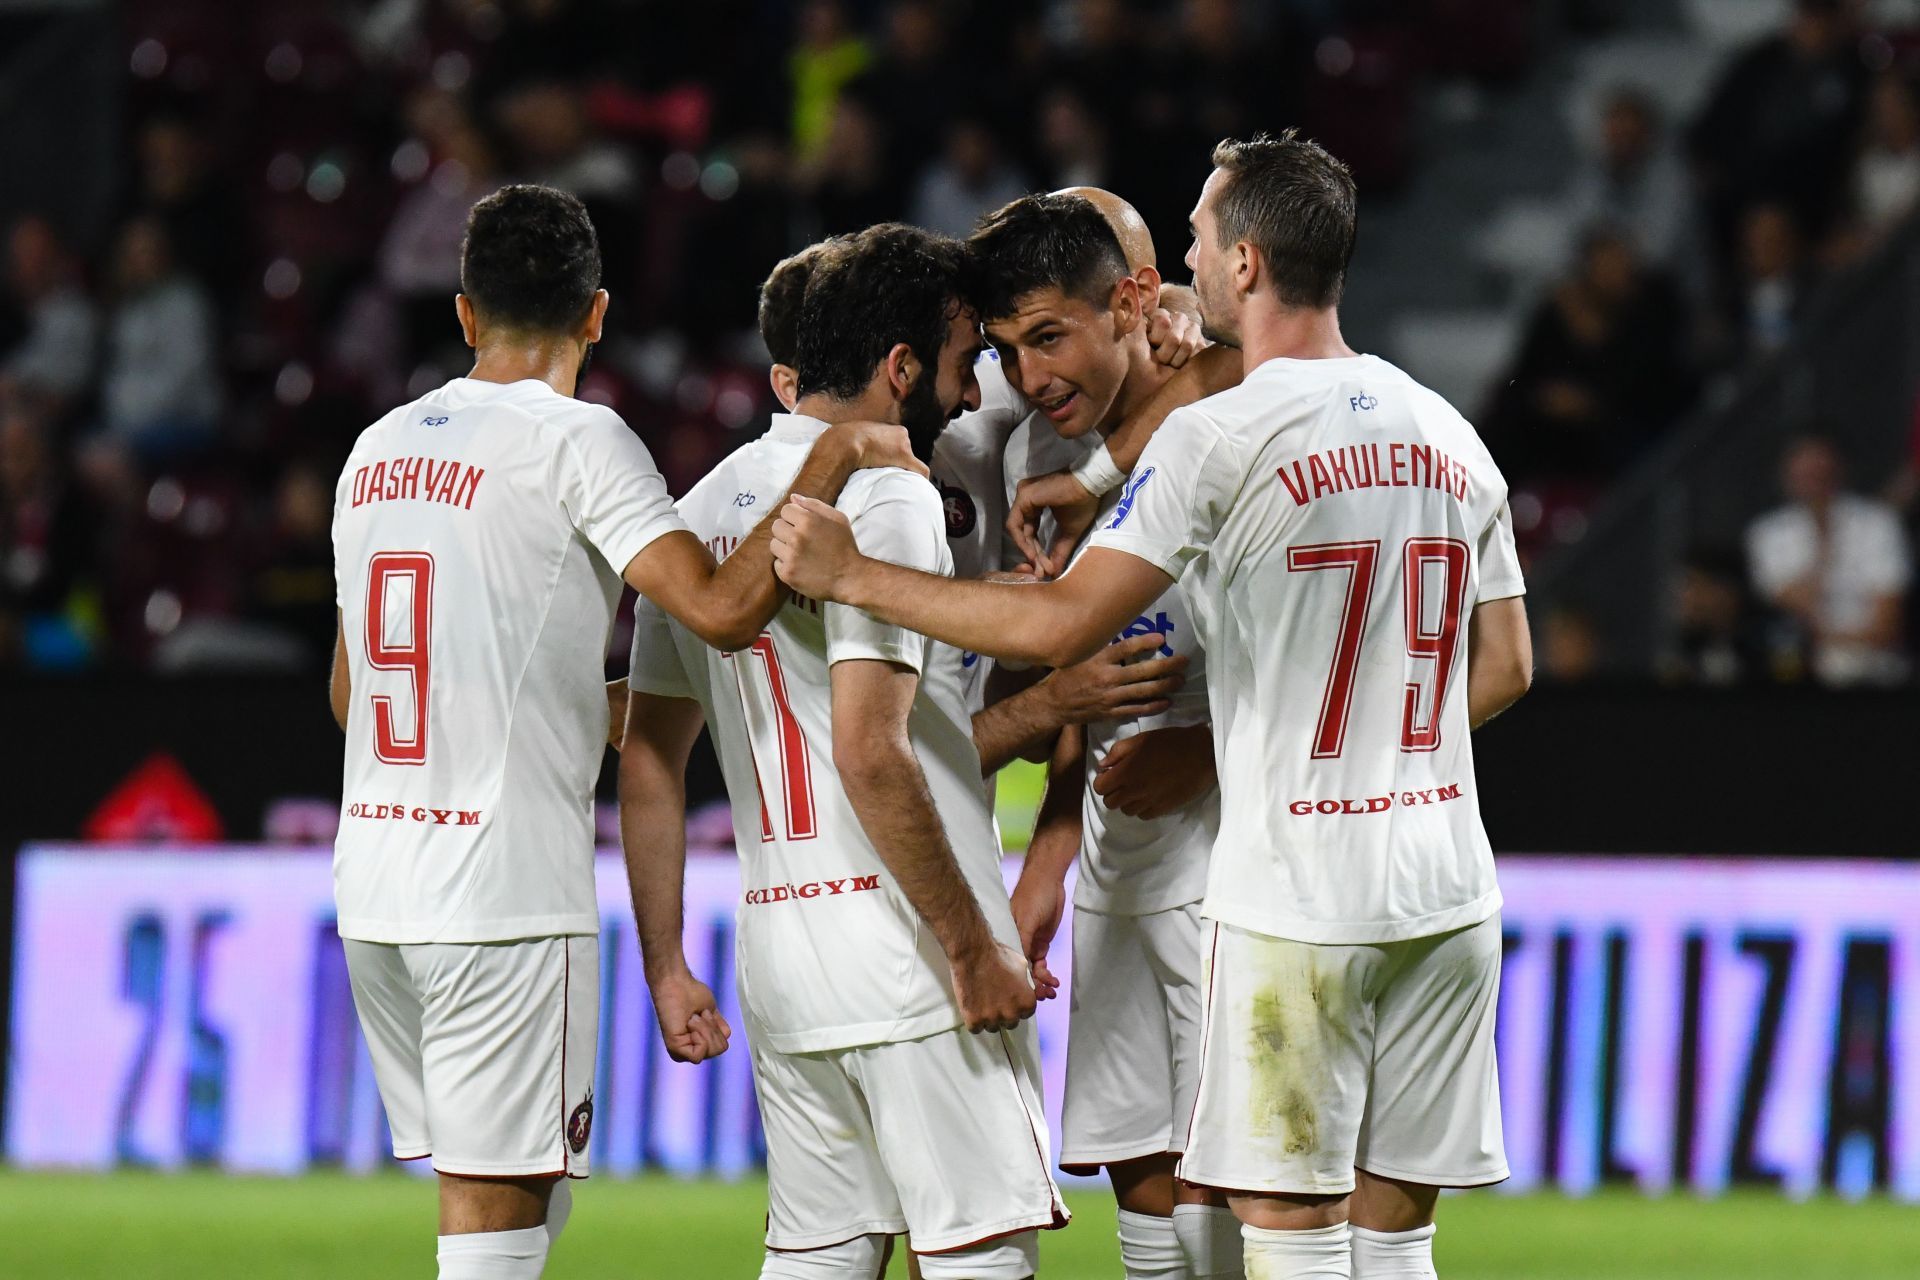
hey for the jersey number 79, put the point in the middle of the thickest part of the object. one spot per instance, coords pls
(1435, 640)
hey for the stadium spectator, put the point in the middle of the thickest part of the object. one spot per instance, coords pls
(1635, 182)
(292, 585)
(182, 189)
(46, 548)
(1073, 143)
(1601, 369)
(1836, 567)
(848, 185)
(1569, 647)
(1774, 277)
(53, 360)
(554, 143)
(161, 388)
(1780, 124)
(971, 179)
(915, 83)
(1716, 639)
(827, 56)
(1887, 183)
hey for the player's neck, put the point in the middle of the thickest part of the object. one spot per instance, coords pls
(514, 359)
(1269, 331)
(1145, 377)
(871, 407)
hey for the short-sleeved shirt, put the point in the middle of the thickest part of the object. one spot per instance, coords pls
(830, 952)
(1336, 523)
(1131, 866)
(1858, 557)
(479, 535)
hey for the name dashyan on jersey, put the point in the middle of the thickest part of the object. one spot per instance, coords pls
(420, 479)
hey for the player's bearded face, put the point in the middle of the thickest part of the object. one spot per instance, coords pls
(922, 414)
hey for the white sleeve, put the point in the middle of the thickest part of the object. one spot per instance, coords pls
(654, 665)
(1499, 559)
(1775, 556)
(1178, 496)
(900, 521)
(614, 495)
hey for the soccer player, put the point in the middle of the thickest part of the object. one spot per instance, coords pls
(1010, 717)
(1346, 538)
(1061, 306)
(879, 967)
(481, 535)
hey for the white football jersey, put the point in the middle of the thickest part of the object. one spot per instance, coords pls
(830, 952)
(1337, 524)
(966, 469)
(479, 536)
(1130, 866)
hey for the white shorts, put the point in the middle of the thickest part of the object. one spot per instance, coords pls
(484, 1052)
(1133, 1050)
(942, 1138)
(1319, 1059)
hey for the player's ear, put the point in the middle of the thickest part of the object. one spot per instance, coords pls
(469, 327)
(596, 315)
(1128, 306)
(1149, 281)
(1246, 267)
(786, 385)
(902, 368)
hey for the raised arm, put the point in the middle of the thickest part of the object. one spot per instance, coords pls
(1499, 658)
(659, 738)
(888, 792)
(1054, 624)
(727, 606)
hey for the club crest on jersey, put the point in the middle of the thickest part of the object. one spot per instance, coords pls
(1125, 507)
(580, 1125)
(962, 515)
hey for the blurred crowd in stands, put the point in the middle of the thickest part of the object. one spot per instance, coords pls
(175, 399)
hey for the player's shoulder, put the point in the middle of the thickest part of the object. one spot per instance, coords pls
(877, 487)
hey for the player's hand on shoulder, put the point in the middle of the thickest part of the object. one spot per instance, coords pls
(690, 1020)
(813, 547)
(874, 444)
(1121, 682)
(995, 988)
(1152, 774)
(1074, 511)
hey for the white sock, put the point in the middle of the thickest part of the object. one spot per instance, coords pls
(1209, 1240)
(1149, 1250)
(1393, 1255)
(1318, 1253)
(494, 1255)
(559, 1209)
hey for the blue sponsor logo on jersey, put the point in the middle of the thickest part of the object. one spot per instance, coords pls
(433, 422)
(1143, 626)
(969, 659)
(1125, 508)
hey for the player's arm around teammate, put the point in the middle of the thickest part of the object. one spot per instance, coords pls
(1118, 683)
(874, 756)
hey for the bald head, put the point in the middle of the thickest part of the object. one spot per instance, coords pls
(1129, 228)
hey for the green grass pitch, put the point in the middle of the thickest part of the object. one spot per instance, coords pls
(206, 1227)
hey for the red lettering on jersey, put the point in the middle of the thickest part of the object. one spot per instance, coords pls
(448, 478)
(359, 486)
(434, 468)
(863, 883)
(1372, 804)
(471, 485)
(1296, 484)
(410, 478)
(377, 482)
(469, 817)
(1342, 481)
(1397, 452)
(1322, 482)
(1421, 457)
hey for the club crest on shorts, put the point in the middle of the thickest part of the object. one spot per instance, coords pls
(580, 1125)
(962, 515)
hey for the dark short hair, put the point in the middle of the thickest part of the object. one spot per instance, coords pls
(1040, 242)
(1295, 203)
(889, 284)
(781, 295)
(530, 260)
